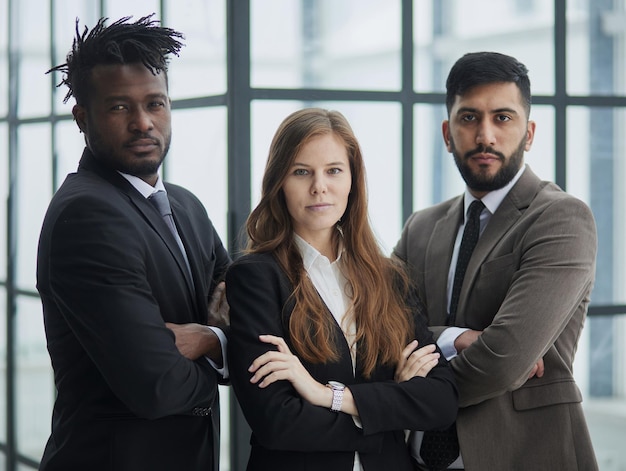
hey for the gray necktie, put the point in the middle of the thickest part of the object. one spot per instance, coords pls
(160, 201)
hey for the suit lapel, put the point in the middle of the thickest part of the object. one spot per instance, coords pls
(438, 257)
(185, 231)
(505, 217)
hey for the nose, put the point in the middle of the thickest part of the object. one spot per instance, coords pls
(140, 121)
(318, 185)
(486, 134)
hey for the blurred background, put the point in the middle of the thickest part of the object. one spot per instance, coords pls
(383, 64)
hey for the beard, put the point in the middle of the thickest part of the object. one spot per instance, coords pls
(483, 182)
(139, 167)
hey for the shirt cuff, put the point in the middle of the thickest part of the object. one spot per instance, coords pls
(446, 341)
(223, 370)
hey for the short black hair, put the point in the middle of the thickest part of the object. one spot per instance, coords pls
(120, 43)
(479, 68)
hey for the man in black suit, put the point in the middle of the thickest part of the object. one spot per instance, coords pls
(113, 276)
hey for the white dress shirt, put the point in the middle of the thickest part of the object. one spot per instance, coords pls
(333, 287)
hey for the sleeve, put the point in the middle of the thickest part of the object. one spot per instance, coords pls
(222, 370)
(418, 404)
(100, 285)
(549, 287)
(280, 419)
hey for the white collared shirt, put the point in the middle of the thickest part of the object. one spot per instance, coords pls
(333, 288)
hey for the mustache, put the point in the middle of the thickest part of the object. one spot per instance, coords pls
(484, 150)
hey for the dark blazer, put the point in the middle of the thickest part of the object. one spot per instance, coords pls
(527, 288)
(110, 274)
(290, 433)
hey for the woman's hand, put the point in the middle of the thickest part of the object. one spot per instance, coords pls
(416, 362)
(279, 365)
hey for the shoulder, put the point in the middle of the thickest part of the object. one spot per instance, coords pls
(552, 200)
(85, 197)
(254, 263)
(430, 215)
(257, 271)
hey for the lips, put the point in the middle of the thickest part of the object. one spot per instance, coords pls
(485, 158)
(143, 145)
(319, 206)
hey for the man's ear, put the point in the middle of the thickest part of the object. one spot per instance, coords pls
(79, 112)
(530, 135)
(445, 131)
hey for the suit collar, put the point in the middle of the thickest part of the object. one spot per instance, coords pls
(493, 199)
(438, 258)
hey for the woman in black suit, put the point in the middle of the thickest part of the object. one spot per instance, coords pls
(324, 338)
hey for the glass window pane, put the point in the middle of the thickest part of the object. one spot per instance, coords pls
(446, 29)
(3, 367)
(352, 44)
(34, 380)
(377, 127)
(4, 195)
(65, 14)
(34, 189)
(69, 148)
(435, 176)
(595, 156)
(34, 88)
(599, 372)
(4, 57)
(197, 160)
(116, 9)
(201, 68)
(596, 44)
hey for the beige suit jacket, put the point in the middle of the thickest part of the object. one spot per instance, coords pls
(527, 288)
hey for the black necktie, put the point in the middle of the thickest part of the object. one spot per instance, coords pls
(440, 448)
(468, 242)
(162, 204)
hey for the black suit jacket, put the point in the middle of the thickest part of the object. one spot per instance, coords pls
(290, 433)
(110, 274)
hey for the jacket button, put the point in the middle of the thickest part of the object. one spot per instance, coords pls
(201, 411)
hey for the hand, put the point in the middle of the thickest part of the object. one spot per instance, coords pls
(416, 362)
(466, 339)
(537, 370)
(219, 310)
(279, 365)
(196, 340)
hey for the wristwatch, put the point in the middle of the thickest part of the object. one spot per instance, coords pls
(337, 389)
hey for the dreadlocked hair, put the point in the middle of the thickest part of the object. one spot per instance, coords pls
(120, 43)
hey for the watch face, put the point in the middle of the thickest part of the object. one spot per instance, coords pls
(337, 385)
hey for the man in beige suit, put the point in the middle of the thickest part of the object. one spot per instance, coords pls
(524, 296)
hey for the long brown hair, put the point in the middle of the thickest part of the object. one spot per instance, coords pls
(378, 285)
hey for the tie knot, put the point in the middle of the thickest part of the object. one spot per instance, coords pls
(160, 202)
(475, 208)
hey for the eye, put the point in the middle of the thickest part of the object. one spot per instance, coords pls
(468, 118)
(157, 104)
(334, 170)
(118, 107)
(300, 172)
(503, 118)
